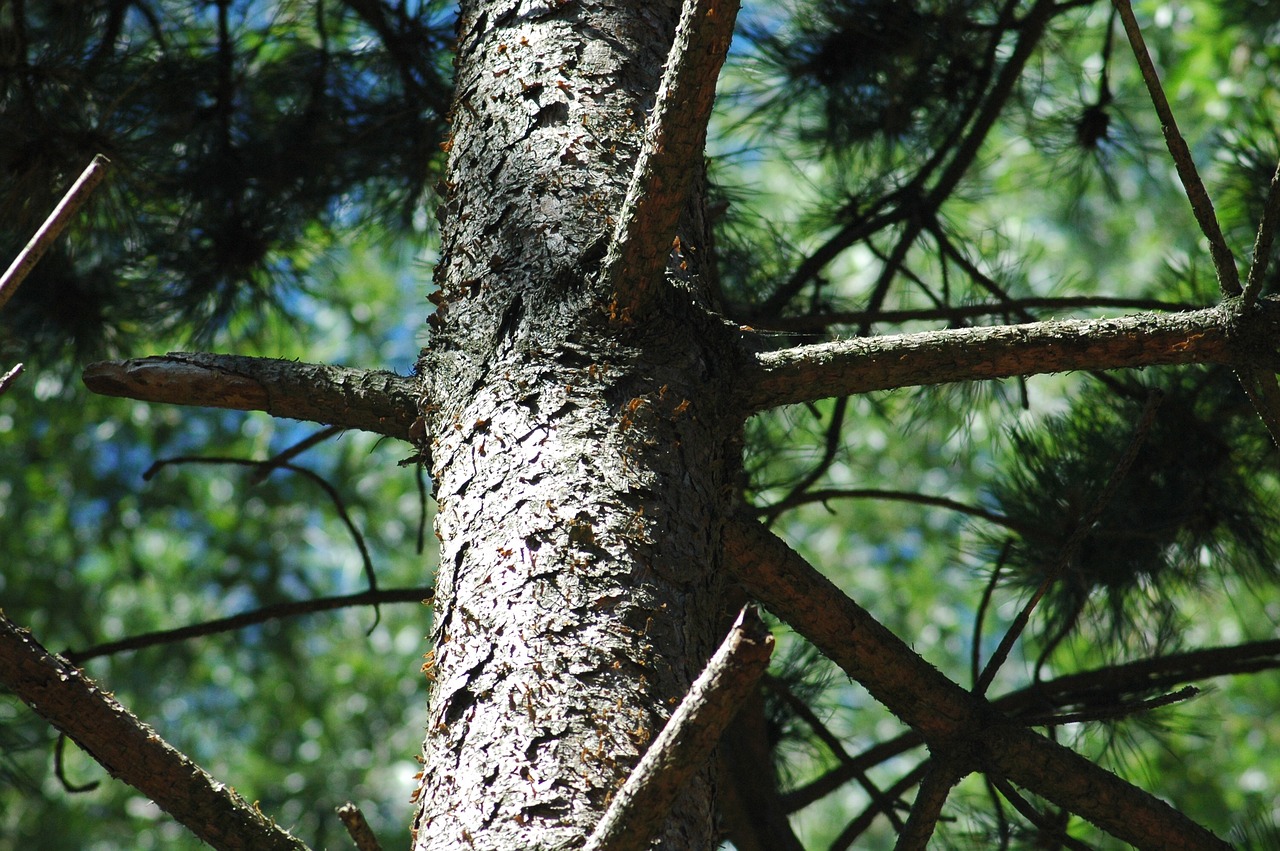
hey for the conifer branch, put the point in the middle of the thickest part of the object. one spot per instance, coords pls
(1224, 263)
(1084, 525)
(673, 141)
(945, 715)
(1099, 690)
(865, 364)
(377, 401)
(687, 740)
(132, 751)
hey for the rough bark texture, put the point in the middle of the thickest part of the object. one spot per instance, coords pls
(579, 456)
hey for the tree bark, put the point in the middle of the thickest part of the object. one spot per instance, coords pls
(582, 454)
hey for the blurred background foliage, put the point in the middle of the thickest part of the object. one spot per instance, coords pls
(878, 166)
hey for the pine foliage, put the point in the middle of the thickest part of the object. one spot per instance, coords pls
(240, 135)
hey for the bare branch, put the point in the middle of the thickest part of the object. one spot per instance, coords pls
(944, 714)
(941, 776)
(673, 142)
(6, 380)
(378, 401)
(825, 494)
(132, 751)
(1223, 262)
(240, 621)
(685, 743)
(1262, 242)
(864, 364)
(57, 221)
(813, 322)
(357, 828)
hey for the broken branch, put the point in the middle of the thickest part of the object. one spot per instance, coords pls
(370, 400)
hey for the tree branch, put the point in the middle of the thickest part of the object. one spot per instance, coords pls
(864, 364)
(240, 621)
(6, 380)
(130, 750)
(57, 221)
(949, 718)
(1223, 262)
(939, 779)
(1095, 689)
(957, 313)
(378, 401)
(685, 743)
(357, 828)
(673, 142)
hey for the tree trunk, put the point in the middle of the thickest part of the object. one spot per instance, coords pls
(583, 458)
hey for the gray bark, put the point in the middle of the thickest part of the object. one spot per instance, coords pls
(579, 455)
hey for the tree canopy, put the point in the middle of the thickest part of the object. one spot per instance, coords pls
(873, 168)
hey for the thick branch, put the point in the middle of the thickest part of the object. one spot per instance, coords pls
(673, 142)
(370, 400)
(861, 365)
(1097, 689)
(686, 742)
(130, 750)
(949, 718)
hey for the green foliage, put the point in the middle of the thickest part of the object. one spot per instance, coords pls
(1194, 503)
(243, 136)
(301, 714)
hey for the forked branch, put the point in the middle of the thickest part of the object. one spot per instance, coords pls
(946, 716)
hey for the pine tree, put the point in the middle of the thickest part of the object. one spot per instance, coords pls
(619, 348)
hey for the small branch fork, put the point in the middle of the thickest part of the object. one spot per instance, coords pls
(685, 744)
(132, 751)
(674, 137)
